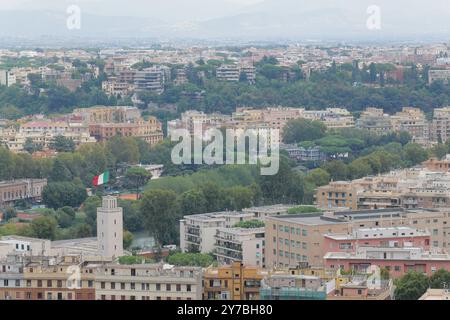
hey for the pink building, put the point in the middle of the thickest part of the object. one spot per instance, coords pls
(397, 260)
(395, 237)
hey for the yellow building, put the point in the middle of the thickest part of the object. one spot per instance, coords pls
(232, 282)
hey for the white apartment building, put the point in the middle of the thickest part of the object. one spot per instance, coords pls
(240, 244)
(197, 232)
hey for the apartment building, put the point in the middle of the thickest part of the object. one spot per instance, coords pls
(150, 79)
(333, 118)
(240, 245)
(434, 221)
(149, 130)
(394, 237)
(438, 75)
(374, 120)
(46, 278)
(440, 125)
(25, 189)
(147, 282)
(232, 282)
(7, 78)
(397, 261)
(437, 165)
(228, 72)
(413, 121)
(337, 194)
(249, 71)
(104, 114)
(198, 232)
(294, 240)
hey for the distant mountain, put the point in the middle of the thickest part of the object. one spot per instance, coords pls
(267, 20)
(49, 23)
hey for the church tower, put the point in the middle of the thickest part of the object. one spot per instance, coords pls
(110, 228)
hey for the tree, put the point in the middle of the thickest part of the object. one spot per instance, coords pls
(192, 202)
(160, 214)
(63, 144)
(43, 228)
(9, 213)
(411, 286)
(60, 172)
(60, 194)
(414, 154)
(89, 207)
(137, 177)
(132, 219)
(238, 197)
(440, 279)
(31, 147)
(127, 239)
(299, 130)
(337, 170)
(318, 177)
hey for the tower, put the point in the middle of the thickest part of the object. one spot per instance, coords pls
(110, 228)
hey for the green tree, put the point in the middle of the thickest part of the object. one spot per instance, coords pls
(43, 228)
(160, 214)
(192, 202)
(127, 239)
(411, 286)
(318, 177)
(31, 147)
(440, 279)
(63, 144)
(299, 130)
(137, 177)
(60, 194)
(414, 154)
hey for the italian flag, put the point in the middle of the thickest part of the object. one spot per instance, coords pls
(101, 179)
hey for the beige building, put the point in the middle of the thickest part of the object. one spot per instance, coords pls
(413, 121)
(110, 228)
(25, 189)
(440, 126)
(374, 120)
(294, 240)
(147, 282)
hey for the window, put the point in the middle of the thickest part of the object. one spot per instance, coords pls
(133, 272)
(59, 283)
(122, 285)
(39, 283)
(113, 285)
(40, 295)
(49, 283)
(188, 288)
(132, 286)
(102, 285)
(158, 287)
(178, 287)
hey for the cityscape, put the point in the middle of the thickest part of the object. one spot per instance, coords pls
(196, 164)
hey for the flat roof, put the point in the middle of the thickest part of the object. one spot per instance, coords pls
(311, 219)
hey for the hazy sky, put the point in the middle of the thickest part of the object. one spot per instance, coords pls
(249, 17)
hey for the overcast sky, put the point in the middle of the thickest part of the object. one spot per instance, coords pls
(260, 17)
